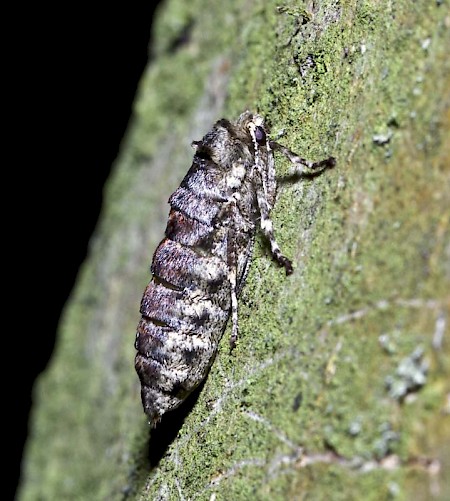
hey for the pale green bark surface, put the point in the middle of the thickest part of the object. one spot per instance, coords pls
(339, 386)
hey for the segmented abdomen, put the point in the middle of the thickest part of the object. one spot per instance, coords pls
(186, 305)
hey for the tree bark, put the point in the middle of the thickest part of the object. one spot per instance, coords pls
(339, 385)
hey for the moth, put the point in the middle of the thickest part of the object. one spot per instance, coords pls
(199, 268)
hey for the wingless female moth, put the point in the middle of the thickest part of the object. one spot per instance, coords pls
(200, 267)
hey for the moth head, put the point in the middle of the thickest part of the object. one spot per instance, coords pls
(260, 135)
(258, 132)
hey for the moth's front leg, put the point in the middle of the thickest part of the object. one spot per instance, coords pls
(303, 166)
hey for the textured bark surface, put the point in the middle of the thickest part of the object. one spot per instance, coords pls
(339, 386)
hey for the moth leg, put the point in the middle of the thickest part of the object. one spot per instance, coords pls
(246, 257)
(234, 310)
(267, 229)
(232, 272)
(303, 166)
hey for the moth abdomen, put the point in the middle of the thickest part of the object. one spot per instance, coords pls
(183, 267)
(203, 209)
(151, 338)
(188, 231)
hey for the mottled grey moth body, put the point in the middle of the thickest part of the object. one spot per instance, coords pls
(200, 266)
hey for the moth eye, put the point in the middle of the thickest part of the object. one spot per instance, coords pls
(260, 135)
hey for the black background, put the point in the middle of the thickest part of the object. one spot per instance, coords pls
(73, 78)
